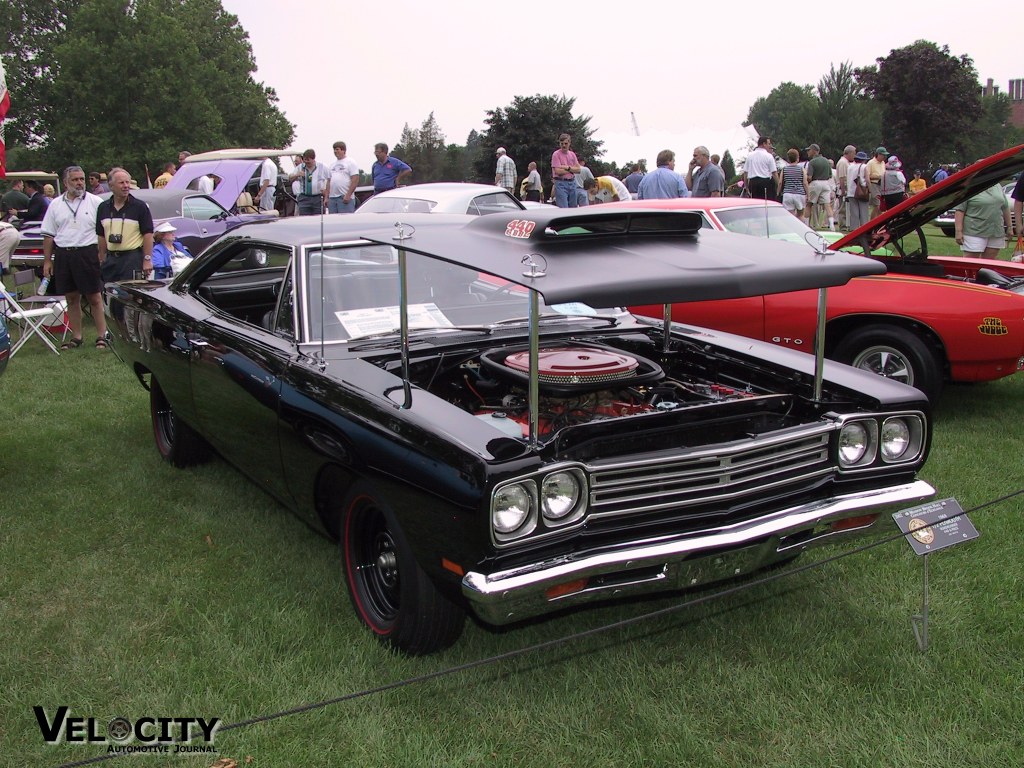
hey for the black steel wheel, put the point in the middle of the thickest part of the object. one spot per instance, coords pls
(176, 441)
(390, 592)
(895, 353)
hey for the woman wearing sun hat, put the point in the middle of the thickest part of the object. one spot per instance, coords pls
(894, 183)
(166, 248)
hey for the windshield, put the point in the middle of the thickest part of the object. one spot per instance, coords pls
(770, 221)
(354, 293)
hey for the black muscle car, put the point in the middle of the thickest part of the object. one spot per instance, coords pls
(464, 405)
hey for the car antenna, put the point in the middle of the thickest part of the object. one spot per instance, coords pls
(322, 362)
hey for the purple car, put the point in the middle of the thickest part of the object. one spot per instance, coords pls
(236, 177)
(199, 219)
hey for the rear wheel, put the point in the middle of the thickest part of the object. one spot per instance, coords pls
(176, 441)
(389, 590)
(895, 353)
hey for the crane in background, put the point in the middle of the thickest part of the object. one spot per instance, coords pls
(636, 128)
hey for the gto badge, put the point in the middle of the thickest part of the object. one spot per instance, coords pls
(993, 326)
(787, 340)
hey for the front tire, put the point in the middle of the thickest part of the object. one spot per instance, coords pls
(390, 592)
(894, 353)
(176, 441)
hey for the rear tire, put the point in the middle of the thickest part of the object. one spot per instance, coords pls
(176, 441)
(894, 353)
(389, 590)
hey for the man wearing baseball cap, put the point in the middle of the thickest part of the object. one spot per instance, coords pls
(505, 172)
(819, 189)
(876, 170)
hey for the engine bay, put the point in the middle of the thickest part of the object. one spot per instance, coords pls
(579, 382)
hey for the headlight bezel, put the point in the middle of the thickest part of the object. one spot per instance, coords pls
(875, 425)
(915, 439)
(575, 510)
(538, 526)
(529, 519)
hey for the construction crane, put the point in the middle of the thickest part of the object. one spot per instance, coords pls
(636, 128)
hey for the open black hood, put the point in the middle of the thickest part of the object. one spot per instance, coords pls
(625, 257)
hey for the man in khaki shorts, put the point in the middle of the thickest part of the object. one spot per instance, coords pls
(819, 190)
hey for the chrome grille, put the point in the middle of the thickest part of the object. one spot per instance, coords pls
(731, 474)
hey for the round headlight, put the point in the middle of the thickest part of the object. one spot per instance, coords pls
(895, 439)
(853, 443)
(511, 508)
(559, 495)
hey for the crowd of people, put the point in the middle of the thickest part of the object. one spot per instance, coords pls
(88, 240)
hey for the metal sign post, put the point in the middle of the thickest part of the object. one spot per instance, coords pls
(919, 621)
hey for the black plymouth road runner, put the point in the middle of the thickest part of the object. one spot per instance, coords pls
(463, 404)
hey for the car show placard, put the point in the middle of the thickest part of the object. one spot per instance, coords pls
(936, 525)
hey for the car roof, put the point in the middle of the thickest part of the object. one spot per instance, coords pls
(601, 257)
(446, 194)
(240, 153)
(31, 175)
(918, 210)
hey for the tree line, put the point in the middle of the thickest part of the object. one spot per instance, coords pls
(125, 81)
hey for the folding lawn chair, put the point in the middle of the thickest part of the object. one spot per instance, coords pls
(30, 321)
(25, 293)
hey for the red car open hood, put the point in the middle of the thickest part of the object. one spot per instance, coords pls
(920, 209)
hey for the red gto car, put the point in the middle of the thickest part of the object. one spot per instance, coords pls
(930, 319)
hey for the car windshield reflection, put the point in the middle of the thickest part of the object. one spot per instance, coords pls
(354, 294)
(773, 222)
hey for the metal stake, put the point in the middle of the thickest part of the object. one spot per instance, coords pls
(919, 621)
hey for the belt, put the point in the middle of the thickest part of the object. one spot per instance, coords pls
(74, 247)
(566, 178)
(385, 189)
(119, 254)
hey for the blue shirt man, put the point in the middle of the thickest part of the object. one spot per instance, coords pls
(632, 181)
(663, 183)
(388, 171)
(940, 174)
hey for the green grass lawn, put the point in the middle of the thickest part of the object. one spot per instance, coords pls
(131, 589)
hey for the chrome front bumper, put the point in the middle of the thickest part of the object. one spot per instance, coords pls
(669, 563)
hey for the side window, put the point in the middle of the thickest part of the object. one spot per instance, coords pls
(202, 208)
(247, 282)
(493, 202)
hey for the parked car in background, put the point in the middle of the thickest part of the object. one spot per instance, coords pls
(929, 319)
(443, 197)
(461, 402)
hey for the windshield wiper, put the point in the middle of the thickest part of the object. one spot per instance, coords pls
(394, 332)
(610, 319)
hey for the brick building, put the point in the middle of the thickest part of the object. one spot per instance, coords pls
(1015, 90)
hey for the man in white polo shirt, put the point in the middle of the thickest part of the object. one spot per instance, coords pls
(70, 254)
(760, 172)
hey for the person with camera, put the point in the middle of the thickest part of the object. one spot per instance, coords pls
(124, 226)
(70, 254)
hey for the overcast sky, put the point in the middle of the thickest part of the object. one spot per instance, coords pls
(689, 72)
